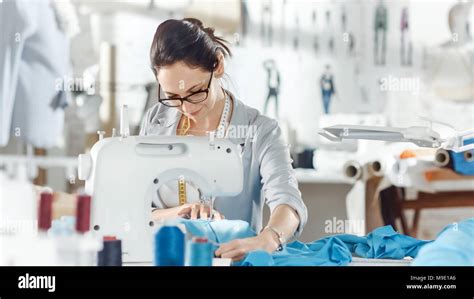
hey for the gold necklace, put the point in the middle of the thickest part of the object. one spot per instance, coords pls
(185, 126)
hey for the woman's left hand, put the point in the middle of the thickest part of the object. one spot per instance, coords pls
(237, 249)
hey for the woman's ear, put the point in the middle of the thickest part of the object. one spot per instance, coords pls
(219, 69)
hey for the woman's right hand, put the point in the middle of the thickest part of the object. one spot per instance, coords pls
(198, 211)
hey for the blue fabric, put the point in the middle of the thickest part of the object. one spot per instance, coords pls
(336, 250)
(454, 246)
(218, 232)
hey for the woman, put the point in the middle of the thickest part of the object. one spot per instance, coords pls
(188, 62)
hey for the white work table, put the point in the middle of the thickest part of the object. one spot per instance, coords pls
(216, 262)
(356, 261)
(308, 176)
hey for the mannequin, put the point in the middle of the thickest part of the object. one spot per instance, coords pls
(405, 43)
(448, 67)
(329, 29)
(327, 88)
(380, 33)
(315, 25)
(266, 29)
(273, 83)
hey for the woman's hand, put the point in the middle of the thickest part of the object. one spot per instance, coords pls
(189, 211)
(198, 211)
(237, 249)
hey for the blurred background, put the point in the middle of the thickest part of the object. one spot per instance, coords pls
(67, 67)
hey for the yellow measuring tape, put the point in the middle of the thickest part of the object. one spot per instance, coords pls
(181, 182)
(182, 190)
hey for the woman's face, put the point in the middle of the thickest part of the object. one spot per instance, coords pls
(180, 80)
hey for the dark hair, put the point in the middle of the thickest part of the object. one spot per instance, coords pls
(186, 40)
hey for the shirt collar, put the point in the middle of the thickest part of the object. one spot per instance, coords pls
(239, 118)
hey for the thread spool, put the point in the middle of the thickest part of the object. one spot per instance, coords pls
(83, 213)
(111, 254)
(199, 252)
(45, 211)
(169, 246)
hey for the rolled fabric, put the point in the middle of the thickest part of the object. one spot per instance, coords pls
(381, 165)
(376, 168)
(443, 158)
(353, 169)
(369, 165)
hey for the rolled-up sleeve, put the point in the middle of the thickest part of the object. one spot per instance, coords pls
(278, 176)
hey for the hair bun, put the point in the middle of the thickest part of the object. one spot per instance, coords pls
(194, 22)
(209, 30)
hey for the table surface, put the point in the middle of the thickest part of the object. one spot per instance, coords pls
(321, 177)
(359, 261)
(356, 261)
(216, 262)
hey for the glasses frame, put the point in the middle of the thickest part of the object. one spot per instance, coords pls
(206, 90)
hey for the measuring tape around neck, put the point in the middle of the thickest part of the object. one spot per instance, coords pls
(221, 130)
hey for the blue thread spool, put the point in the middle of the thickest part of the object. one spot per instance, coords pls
(111, 254)
(169, 246)
(199, 252)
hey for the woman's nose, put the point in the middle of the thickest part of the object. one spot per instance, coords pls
(187, 107)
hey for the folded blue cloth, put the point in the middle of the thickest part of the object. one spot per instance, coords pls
(329, 252)
(383, 242)
(336, 250)
(221, 231)
(454, 246)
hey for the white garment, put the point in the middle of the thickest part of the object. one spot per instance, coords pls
(66, 17)
(34, 56)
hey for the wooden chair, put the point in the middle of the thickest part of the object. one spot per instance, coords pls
(394, 202)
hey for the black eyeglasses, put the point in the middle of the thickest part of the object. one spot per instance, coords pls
(193, 98)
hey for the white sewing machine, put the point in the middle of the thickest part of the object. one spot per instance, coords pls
(123, 174)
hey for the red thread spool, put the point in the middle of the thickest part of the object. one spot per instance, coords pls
(45, 211)
(83, 213)
(110, 238)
